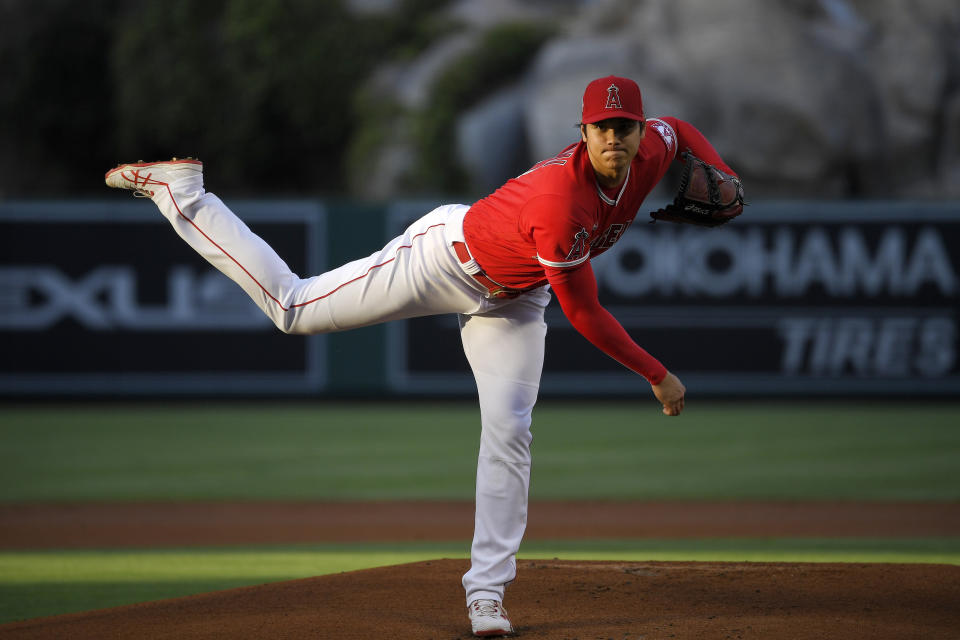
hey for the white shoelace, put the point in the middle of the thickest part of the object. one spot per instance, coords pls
(489, 608)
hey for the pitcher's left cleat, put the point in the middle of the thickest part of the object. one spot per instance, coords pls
(488, 618)
(145, 178)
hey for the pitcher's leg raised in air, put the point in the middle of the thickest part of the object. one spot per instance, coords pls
(415, 274)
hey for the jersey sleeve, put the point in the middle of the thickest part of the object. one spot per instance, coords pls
(576, 291)
(666, 133)
(559, 230)
(688, 137)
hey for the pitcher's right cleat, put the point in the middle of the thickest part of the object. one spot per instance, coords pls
(145, 178)
(488, 618)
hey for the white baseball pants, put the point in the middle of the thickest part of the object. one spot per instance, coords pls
(415, 274)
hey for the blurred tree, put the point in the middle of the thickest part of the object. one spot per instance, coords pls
(167, 69)
(261, 89)
(55, 96)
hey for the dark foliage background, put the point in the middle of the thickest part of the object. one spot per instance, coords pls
(264, 91)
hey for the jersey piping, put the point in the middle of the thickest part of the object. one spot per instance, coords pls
(563, 265)
(623, 188)
(264, 289)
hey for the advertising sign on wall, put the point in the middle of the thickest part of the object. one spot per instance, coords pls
(792, 298)
(824, 298)
(105, 299)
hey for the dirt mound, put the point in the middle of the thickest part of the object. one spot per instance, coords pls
(556, 600)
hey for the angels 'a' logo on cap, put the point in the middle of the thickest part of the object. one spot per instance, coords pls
(613, 98)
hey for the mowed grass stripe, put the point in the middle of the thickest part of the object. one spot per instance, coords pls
(286, 562)
(335, 451)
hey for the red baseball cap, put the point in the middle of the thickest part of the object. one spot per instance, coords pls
(611, 97)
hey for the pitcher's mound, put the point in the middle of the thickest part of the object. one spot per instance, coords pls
(555, 600)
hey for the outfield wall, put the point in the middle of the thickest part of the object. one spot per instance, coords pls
(795, 298)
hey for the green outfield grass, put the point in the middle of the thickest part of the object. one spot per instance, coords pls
(338, 451)
(39, 583)
(335, 451)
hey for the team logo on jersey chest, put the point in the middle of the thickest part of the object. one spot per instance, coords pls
(580, 245)
(609, 237)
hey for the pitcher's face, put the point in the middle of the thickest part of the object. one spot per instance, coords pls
(612, 144)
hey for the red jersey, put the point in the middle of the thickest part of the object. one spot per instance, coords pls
(545, 225)
(556, 216)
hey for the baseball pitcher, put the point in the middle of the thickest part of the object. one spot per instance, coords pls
(494, 264)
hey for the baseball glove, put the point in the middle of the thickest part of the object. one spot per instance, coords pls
(707, 196)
